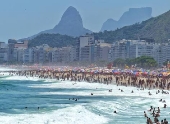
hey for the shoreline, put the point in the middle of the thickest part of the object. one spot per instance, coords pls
(107, 78)
(94, 75)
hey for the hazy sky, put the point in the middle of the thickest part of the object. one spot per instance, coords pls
(23, 18)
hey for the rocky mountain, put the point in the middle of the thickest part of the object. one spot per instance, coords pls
(132, 16)
(157, 28)
(71, 24)
(109, 25)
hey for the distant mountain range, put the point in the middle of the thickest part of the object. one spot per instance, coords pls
(71, 24)
(157, 28)
(134, 15)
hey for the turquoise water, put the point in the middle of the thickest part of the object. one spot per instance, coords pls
(20, 98)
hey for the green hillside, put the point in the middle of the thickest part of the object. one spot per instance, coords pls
(157, 28)
(53, 40)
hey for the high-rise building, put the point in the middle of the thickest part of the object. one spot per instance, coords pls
(86, 48)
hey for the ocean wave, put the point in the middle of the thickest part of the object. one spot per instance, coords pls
(70, 115)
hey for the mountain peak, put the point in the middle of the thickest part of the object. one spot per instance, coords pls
(71, 23)
(71, 8)
(148, 9)
(109, 25)
(70, 17)
(135, 15)
(132, 16)
(110, 20)
(155, 28)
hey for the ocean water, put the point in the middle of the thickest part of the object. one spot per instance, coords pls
(20, 98)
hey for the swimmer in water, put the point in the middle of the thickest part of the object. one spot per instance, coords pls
(149, 93)
(158, 110)
(147, 121)
(164, 105)
(155, 119)
(115, 112)
(145, 115)
(150, 121)
(162, 122)
(157, 114)
(151, 108)
(165, 121)
(153, 113)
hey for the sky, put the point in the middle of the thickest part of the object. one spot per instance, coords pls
(24, 18)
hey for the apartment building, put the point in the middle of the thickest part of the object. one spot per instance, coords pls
(28, 56)
(142, 48)
(162, 53)
(3, 52)
(119, 50)
(86, 48)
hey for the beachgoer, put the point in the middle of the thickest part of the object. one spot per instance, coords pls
(155, 119)
(145, 115)
(165, 121)
(158, 110)
(150, 121)
(164, 105)
(162, 122)
(147, 121)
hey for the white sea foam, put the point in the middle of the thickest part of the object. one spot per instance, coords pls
(6, 69)
(131, 104)
(70, 115)
(15, 77)
(97, 88)
(100, 89)
(23, 78)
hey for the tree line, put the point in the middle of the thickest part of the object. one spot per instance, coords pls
(143, 62)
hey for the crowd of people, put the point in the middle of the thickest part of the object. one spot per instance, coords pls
(142, 82)
(155, 112)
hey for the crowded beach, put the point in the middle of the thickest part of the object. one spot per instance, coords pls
(140, 78)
